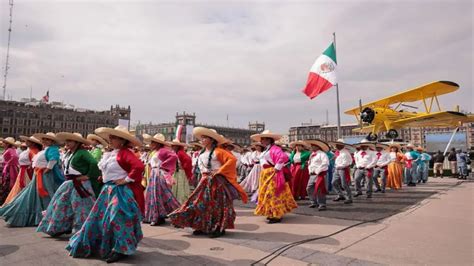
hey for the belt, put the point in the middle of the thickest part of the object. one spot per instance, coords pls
(78, 186)
(266, 166)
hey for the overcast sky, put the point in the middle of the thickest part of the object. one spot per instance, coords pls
(248, 60)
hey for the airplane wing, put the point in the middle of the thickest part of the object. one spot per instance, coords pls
(438, 119)
(426, 91)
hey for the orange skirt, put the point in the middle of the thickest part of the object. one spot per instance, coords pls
(395, 175)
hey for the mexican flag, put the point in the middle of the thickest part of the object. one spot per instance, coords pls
(322, 75)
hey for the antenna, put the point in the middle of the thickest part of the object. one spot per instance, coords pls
(8, 50)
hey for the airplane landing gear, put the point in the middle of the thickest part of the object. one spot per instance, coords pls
(371, 137)
(392, 134)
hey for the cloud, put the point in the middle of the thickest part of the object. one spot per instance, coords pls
(248, 60)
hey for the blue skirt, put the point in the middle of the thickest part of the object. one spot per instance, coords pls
(67, 210)
(159, 199)
(113, 225)
(27, 207)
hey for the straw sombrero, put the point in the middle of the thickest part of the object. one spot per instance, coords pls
(365, 142)
(265, 134)
(299, 142)
(176, 142)
(321, 144)
(102, 141)
(32, 139)
(9, 140)
(339, 141)
(257, 144)
(196, 144)
(397, 145)
(199, 132)
(381, 145)
(158, 138)
(49, 135)
(19, 143)
(77, 137)
(410, 145)
(118, 131)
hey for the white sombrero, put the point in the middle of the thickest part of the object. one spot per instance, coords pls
(265, 134)
(396, 145)
(49, 135)
(102, 141)
(299, 142)
(321, 144)
(410, 145)
(9, 140)
(118, 131)
(77, 137)
(199, 132)
(176, 142)
(32, 139)
(158, 138)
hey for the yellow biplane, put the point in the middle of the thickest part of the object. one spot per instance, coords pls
(383, 116)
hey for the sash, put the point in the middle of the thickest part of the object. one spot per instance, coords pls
(78, 186)
(23, 171)
(320, 183)
(39, 182)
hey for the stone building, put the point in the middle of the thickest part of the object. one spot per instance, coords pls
(323, 132)
(187, 121)
(27, 118)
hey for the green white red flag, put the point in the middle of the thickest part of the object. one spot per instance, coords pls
(322, 75)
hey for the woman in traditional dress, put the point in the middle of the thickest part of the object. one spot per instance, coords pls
(210, 209)
(10, 168)
(74, 199)
(112, 230)
(299, 169)
(26, 209)
(395, 167)
(184, 172)
(274, 194)
(26, 170)
(159, 199)
(250, 183)
(97, 143)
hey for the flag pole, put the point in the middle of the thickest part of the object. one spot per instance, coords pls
(337, 95)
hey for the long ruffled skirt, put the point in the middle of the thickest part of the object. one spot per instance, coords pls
(299, 182)
(181, 188)
(21, 182)
(250, 183)
(209, 208)
(159, 199)
(269, 204)
(8, 179)
(113, 225)
(67, 210)
(27, 207)
(395, 175)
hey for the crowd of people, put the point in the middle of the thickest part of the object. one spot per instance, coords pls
(101, 188)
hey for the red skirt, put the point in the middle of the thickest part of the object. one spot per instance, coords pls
(299, 181)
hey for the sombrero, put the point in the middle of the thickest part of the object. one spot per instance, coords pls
(365, 142)
(199, 132)
(9, 140)
(102, 141)
(321, 144)
(410, 145)
(49, 135)
(299, 142)
(396, 145)
(196, 144)
(176, 142)
(77, 137)
(265, 134)
(158, 138)
(32, 139)
(257, 144)
(118, 131)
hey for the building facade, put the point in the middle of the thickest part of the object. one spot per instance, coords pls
(22, 118)
(187, 121)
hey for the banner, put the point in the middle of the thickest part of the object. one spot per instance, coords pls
(189, 133)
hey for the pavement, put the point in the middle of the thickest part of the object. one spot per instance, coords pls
(431, 224)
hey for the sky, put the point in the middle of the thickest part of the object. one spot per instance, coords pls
(246, 60)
